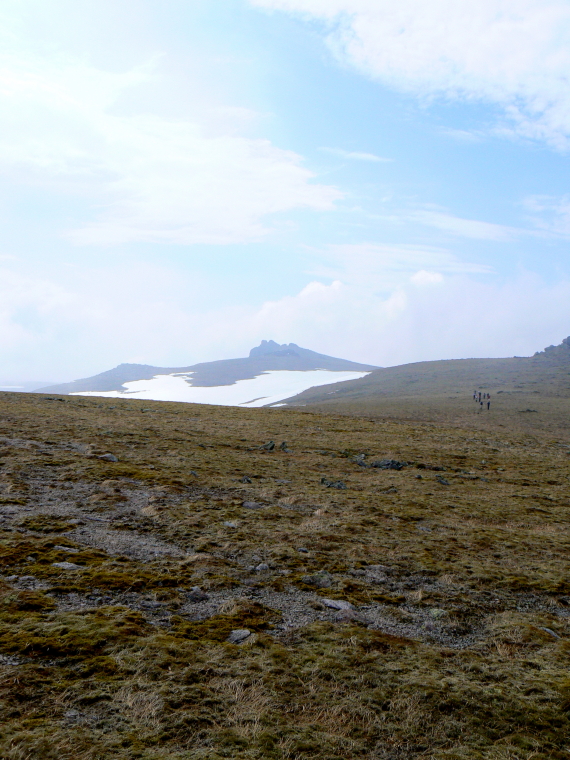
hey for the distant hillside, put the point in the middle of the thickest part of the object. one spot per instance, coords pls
(268, 357)
(443, 389)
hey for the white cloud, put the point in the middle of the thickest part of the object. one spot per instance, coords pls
(549, 214)
(355, 155)
(387, 305)
(469, 228)
(514, 53)
(423, 278)
(147, 177)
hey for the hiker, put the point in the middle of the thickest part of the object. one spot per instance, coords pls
(488, 402)
(481, 406)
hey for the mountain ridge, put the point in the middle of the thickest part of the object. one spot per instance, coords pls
(268, 356)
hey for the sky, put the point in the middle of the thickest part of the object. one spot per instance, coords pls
(382, 180)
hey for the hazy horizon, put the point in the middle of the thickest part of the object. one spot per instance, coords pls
(381, 181)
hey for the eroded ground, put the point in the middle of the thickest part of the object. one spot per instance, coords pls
(379, 613)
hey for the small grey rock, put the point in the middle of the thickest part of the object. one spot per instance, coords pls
(252, 505)
(319, 580)
(108, 458)
(283, 447)
(66, 566)
(551, 632)
(442, 480)
(269, 446)
(263, 567)
(333, 483)
(302, 550)
(194, 473)
(197, 595)
(350, 616)
(337, 604)
(230, 524)
(66, 548)
(388, 464)
(238, 635)
(245, 479)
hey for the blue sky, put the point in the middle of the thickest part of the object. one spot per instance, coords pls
(385, 181)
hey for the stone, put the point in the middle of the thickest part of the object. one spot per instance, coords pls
(245, 479)
(197, 595)
(108, 458)
(302, 550)
(333, 483)
(551, 632)
(359, 459)
(194, 473)
(66, 565)
(437, 613)
(350, 616)
(337, 604)
(263, 567)
(442, 480)
(66, 548)
(283, 447)
(238, 635)
(318, 580)
(388, 464)
(252, 505)
(230, 524)
(269, 446)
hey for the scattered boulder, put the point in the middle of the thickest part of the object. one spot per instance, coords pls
(263, 567)
(67, 565)
(197, 595)
(252, 505)
(245, 479)
(442, 480)
(318, 580)
(359, 460)
(388, 464)
(269, 446)
(283, 447)
(333, 483)
(337, 604)
(238, 635)
(350, 616)
(302, 550)
(230, 524)
(108, 458)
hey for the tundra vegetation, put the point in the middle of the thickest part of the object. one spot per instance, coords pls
(375, 588)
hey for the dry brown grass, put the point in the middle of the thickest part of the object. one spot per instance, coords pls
(465, 651)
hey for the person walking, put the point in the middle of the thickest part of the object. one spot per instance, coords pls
(488, 401)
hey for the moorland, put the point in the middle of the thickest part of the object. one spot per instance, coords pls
(184, 582)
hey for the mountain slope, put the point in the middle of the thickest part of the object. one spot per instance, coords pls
(274, 372)
(443, 390)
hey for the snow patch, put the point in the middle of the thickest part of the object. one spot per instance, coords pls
(264, 390)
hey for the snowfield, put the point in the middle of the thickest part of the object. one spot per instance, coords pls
(268, 388)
